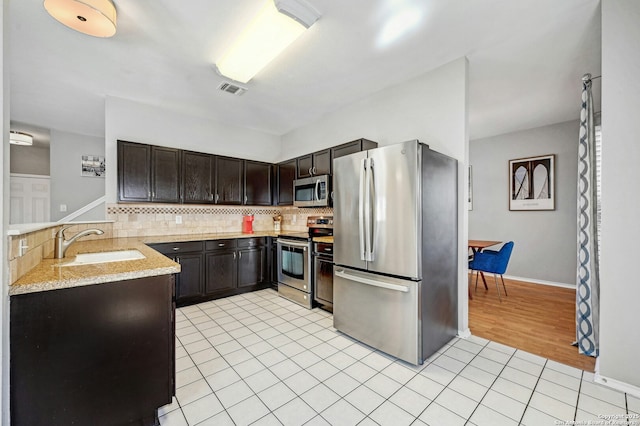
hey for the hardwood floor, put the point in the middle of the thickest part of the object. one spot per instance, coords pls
(536, 318)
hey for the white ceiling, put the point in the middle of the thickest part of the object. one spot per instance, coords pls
(526, 58)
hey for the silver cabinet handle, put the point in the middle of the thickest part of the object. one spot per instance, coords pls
(310, 170)
(245, 199)
(217, 198)
(176, 248)
(314, 170)
(375, 283)
(178, 260)
(149, 194)
(234, 255)
(221, 244)
(240, 255)
(211, 197)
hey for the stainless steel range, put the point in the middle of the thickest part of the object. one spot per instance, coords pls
(295, 266)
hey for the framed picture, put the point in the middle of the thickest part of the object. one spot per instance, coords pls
(92, 166)
(532, 183)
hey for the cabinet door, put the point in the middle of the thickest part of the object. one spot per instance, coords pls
(351, 147)
(220, 271)
(322, 162)
(197, 177)
(165, 174)
(134, 171)
(286, 176)
(191, 278)
(257, 183)
(229, 180)
(305, 166)
(251, 266)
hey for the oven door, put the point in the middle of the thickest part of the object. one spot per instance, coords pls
(294, 264)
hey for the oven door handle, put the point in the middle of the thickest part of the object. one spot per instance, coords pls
(305, 246)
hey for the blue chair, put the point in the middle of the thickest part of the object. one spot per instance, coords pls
(494, 262)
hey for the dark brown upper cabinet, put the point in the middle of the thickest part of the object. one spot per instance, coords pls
(198, 177)
(165, 174)
(257, 183)
(286, 176)
(318, 163)
(351, 147)
(229, 174)
(134, 171)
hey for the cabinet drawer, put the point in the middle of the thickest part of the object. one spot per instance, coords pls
(250, 242)
(181, 247)
(219, 244)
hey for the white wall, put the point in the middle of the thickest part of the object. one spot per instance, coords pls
(4, 212)
(545, 241)
(431, 108)
(136, 122)
(67, 185)
(620, 291)
(29, 160)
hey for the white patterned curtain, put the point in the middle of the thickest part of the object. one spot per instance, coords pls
(588, 277)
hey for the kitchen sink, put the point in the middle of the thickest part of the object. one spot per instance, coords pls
(105, 257)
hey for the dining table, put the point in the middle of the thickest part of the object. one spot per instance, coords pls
(477, 246)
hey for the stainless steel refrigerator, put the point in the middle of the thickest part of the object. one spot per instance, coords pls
(395, 249)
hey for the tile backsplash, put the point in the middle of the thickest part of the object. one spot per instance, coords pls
(140, 220)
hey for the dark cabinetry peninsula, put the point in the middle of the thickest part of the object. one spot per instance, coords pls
(99, 354)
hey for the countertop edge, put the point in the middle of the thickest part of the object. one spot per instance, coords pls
(99, 279)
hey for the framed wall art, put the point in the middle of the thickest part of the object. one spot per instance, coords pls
(532, 183)
(93, 166)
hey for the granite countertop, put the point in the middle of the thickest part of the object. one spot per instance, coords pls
(50, 275)
(328, 239)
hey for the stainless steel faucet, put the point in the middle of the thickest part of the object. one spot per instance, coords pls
(62, 245)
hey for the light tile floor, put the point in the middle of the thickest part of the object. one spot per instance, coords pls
(260, 359)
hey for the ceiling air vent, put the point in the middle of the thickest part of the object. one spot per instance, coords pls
(232, 88)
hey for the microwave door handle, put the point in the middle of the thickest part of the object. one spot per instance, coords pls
(363, 174)
(316, 190)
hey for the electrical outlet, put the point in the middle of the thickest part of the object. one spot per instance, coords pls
(178, 220)
(63, 207)
(294, 219)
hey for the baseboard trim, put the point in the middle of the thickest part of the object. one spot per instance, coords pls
(463, 334)
(543, 282)
(617, 385)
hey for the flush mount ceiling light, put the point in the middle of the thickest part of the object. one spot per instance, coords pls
(274, 28)
(93, 17)
(19, 138)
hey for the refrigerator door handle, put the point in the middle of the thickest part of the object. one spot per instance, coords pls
(361, 207)
(372, 211)
(367, 211)
(395, 287)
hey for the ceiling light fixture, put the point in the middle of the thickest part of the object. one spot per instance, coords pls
(274, 28)
(93, 17)
(19, 138)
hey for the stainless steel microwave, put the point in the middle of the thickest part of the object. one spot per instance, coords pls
(312, 191)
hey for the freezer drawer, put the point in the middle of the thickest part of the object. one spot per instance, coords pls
(379, 311)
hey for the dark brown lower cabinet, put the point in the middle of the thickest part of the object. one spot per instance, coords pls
(220, 271)
(251, 266)
(99, 354)
(212, 269)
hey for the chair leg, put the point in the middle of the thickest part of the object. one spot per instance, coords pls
(503, 286)
(477, 273)
(495, 277)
